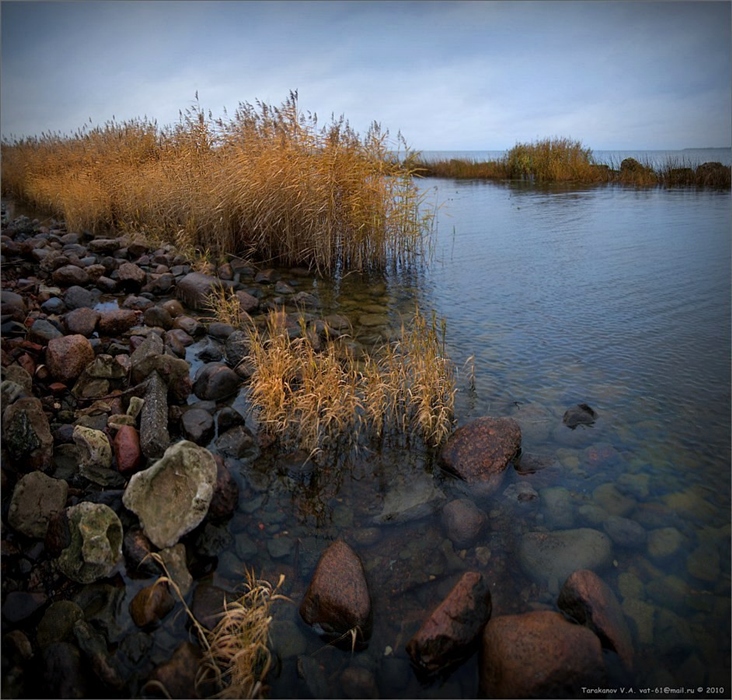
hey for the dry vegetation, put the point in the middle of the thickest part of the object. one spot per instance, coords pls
(268, 180)
(565, 160)
(328, 399)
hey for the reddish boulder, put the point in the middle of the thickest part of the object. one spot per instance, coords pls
(116, 322)
(68, 275)
(589, 600)
(337, 602)
(127, 450)
(67, 357)
(538, 655)
(247, 302)
(480, 451)
(82, 321)
(131, 277)
(449, 635)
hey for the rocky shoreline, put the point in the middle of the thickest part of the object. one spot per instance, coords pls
(123, 429)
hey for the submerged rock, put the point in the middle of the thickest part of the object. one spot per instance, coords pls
(581, 414)
(172, 497)
(337, 602)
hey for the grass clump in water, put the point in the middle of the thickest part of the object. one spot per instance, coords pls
(317, 400)
(268, 179)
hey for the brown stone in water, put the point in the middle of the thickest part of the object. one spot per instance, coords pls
(337, 600)
(151, 604)
(480, 451)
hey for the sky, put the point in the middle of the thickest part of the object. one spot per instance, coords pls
(448, 75)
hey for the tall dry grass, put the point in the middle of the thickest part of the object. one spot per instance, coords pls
(330, 400)
(267, 179)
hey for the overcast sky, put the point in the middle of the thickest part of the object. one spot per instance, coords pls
(448, 75)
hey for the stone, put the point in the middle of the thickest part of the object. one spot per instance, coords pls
(94, 647)
(27, 435)
(127, 450)
(151, 604)
(612, 501)
(77, 297)
(237, 442)
(95, 452)
(215, 381)
(359, 682)
(68, 275)
(451, 632)
(226, 493)
(104, 246)
(582, 414)
(172, 496)
(642, 615)
(410, 499)
(625, 532)
(704, 563)
(158, 316)
(557, 505)
(81, 321)
(198, 426)
(463, 522)
(96, 542)
(42, 331)
(480, 452)
(174, 559)
(13, 305)
(196, 288)
(62, 671)
(57, 623)
(154, 437)
(549, 558)
(178, 674)
(116, 322)
(664, 543)
(36, 498)
(21, 605)
(337, 601)
(247, 302)
(538, 655)
(587, 599)
(131, 277)
(67, 357)
(137, 548)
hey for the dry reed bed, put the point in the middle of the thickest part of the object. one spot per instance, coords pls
(565, 160)
(268, 181)
(327, 400)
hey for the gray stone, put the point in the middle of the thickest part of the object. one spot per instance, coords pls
(625, 532)
(26, 434)
(551, 557)
(154, 437)
(36, 498)
(463, 521)
(410, 499)
(215, 381)
(96, 542)
(664, 542)
(172, 497)
(42, 331)
(196, 288)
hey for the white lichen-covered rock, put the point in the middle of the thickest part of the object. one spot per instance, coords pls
(172, 497)
(96, 542)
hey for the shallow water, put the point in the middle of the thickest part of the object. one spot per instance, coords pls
(618, 298)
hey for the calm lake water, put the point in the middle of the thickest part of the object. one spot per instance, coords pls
(614, 297)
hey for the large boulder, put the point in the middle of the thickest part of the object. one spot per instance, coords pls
(538, 655)
(36, 498)
(480, 451)
(67, 357)
(551, 557)
(589, 600)
(172, 497)
(27, 435)
(95, 546)
(449, 635)
(337, 602)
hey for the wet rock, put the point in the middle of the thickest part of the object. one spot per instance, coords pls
(210, 351)
(68, 275)
(154, 437)
(306, 299)
(189, 325)
(67, 357)
(704, 563)
(94, 648)
(581, 414)
(268, 276)
(463, 522)
(177, 675)
(158, 316)
(137, 548)
(337, 601)
(174, 559)
(226, 493)
(81, 321)
(77, 297)
(116, 322)
(20, 605)
(521, 492)
(198, 426)
(131, 277)
(237, 442)
(558, 509)
(215, 381)
(57, 623)
(208, 604)
(590, 602)
(227, 418)
(480, 451)
(612, 501)
(27, 434)
(172, 497)
(625, 532)
(528, 463)
(359, 682)
(127, 450)
(664, 543)
(151, 604)
(36, 498)
(538, 655)
(95, 455)
(247, 302)
(551, 557)
(410, 499)
(96, 542)
(62, 671)
(451, 632)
